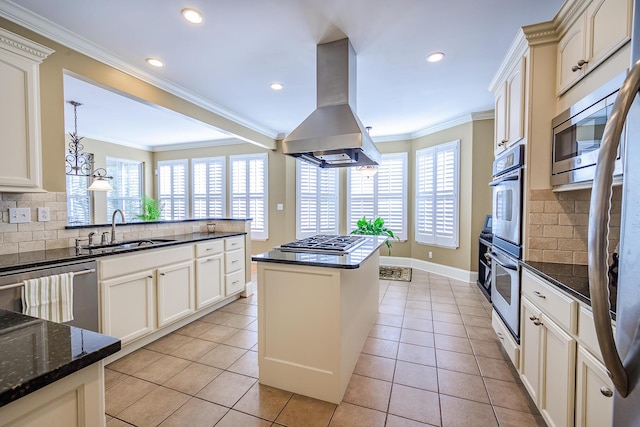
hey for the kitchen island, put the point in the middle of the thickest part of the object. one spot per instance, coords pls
(50, 373)
(315, 311)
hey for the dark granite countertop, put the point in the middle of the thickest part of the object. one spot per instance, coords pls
(353, 259)
(18, 261)
(35, 353)
(126, 224)
(570, 278)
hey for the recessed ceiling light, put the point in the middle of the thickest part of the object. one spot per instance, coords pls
(276, 86)
(192, 16)
(155, 62)
(435, 57)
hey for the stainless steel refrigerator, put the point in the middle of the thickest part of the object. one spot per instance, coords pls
(621, 353)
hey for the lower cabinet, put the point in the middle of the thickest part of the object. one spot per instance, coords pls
(175, 292)
(594, 392)
(128, 306)
(209, 280)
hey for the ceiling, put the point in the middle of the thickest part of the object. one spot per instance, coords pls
(228, 62)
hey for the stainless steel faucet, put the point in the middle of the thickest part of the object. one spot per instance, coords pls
(113, 224)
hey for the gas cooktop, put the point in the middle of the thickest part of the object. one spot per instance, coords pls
(324, 244)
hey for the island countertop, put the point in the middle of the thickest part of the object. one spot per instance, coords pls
(35, 353)
(353, 259)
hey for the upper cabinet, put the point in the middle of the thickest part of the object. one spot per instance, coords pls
(509, 107)
(20, 164)
(602, 28)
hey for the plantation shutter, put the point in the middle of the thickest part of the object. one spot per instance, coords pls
(209, 187)
(249, 192)
(437, 182)
(383, 195)
(317, 200)
(127, 187)
(172, 189)
(78, 200)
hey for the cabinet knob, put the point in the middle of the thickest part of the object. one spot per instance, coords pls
(150, 277)
(536, 320)
(606, 391)
(162, 274)
(579, 65)
(500, 335)
(503, 142)
(539, 295)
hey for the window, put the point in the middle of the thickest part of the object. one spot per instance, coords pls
(172, 188)
(127, 187)
(79, 207)
(249, 192)
(383, 195)
(209, 187)
(437, 182)
(316, 200)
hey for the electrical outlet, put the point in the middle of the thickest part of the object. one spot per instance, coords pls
(19, 215)
(44, 214)
(430, 254)
(280, 206)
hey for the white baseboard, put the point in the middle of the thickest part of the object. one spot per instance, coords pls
(431, 267)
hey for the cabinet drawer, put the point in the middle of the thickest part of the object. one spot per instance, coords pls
(233, 261)
(209, 248)
(234, 282)
(234, 243)
(507, 341)
(119, 265)
(553, 303)
(587, 332)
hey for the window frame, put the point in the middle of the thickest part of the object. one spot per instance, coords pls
(376, 196)
(130, 216)
(222, 198)
(319, 197)
(85, 200)
(436, 238)
(256, 234)
(172, 198)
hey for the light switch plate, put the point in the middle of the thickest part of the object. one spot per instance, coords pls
(19, 215)
(44, 214)
(279, 206)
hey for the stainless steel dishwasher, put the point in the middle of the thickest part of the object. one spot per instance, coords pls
(85, 290)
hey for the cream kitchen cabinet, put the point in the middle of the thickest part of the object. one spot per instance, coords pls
(234, 265)
(128, 306)
(175, 292)
(594, 392)
(209, 273)
(509, 108)
(20, 164)
(602, 28)
(146, 290)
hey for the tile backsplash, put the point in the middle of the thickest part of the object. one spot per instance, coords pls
(35, 236)
(558, 223)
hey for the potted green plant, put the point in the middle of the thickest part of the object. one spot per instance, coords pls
(375, 227)
(151, 209)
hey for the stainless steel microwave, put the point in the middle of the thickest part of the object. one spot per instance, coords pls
(577, 135)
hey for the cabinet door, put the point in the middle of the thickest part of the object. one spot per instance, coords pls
(571, 49)
(608, 28)
(209, 280)
(530, 334)
(128, 306)
(594, 401)
(557, 379)
(515, 104)
(175, 292)
(500, 120)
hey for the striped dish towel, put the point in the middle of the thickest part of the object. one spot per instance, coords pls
(49, 298)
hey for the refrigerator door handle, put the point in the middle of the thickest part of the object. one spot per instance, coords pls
(599, 230)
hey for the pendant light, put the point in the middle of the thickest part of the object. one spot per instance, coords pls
(80, 163)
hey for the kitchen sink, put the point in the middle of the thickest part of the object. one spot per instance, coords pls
(125, 244)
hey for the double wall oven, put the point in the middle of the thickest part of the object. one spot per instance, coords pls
(507, 237)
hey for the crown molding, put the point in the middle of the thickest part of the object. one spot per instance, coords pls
(58, 34)
(542, 33)
(24, 47)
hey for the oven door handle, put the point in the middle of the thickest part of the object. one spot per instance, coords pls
(501, 180)
(507, 265)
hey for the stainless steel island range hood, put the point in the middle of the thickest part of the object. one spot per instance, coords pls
(333, 136)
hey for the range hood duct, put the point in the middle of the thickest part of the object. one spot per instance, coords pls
(333, 136)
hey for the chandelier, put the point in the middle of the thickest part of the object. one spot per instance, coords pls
(79, 162)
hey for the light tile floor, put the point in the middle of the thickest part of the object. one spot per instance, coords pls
(431, 359)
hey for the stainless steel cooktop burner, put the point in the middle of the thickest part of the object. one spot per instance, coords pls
(331, 244)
